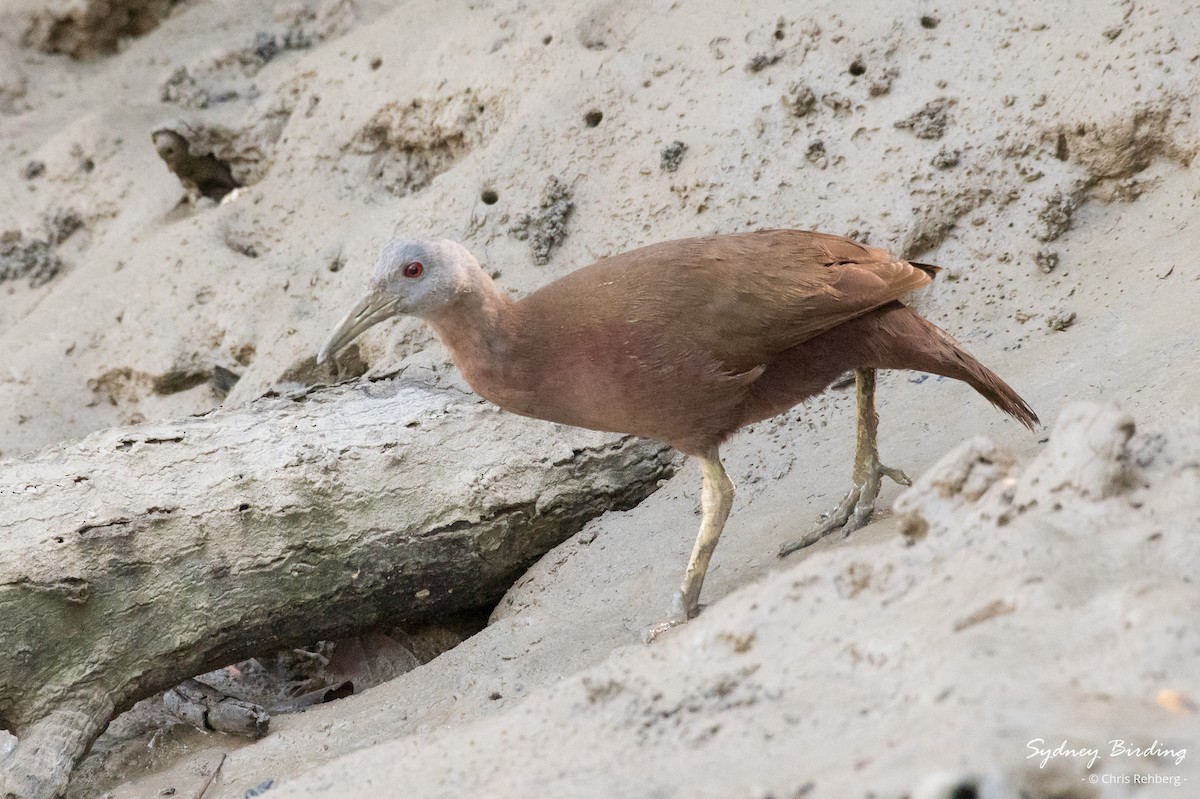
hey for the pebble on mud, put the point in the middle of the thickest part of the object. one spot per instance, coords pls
(1046, 260)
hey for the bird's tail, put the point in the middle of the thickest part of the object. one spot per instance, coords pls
(924, 346)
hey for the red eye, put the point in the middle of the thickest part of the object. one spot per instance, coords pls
(414, 269)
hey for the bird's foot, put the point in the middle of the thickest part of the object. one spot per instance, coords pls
(680, 614)
(855, 509)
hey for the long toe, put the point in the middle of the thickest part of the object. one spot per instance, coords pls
(895, 475)
(855, 509)
(836, 519)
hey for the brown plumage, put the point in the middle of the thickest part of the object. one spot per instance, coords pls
(755, 323)
(684, 342)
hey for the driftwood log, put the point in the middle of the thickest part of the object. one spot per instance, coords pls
(140, 556)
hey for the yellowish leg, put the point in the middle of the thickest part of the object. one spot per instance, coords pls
(856, 507)
(716, 498)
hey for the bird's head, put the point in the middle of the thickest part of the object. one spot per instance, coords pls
(418, 277)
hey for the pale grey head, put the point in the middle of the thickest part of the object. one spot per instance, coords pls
(411, 276)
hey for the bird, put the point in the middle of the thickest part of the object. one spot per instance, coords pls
(685, 342)
(206, 173)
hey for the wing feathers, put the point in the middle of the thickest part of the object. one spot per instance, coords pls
(740, 299)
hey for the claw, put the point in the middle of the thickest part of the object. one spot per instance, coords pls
(895, 475)
(853, 512)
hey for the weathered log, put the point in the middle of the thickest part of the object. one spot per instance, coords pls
(140, 556)
(206, 708)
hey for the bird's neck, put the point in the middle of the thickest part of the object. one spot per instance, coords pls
(480, 329)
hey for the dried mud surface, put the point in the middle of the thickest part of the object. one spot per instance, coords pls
(1043, 154)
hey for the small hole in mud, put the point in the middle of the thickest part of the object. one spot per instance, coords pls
(592, 118)
(376, 62)
(547, 39)
(243, 507)
(58, 539)
(929, 23)
(778, 35)
(857, 68)
(965, 790)
(489, 196)
(87, 165)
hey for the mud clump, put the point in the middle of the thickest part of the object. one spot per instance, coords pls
(1061, 321)
(1047, 260)
(838, 103)
(268, 45)
(224, 75)
(117, 387)
(1111, 155)
(1127, 146)
(546, 226)
(946, 159)
(934, 221)
(760, 62)
(881, 84)
(183, 87)
(800, 100)
(92, 29)
(404, 146)
(594, 30)
(1055, 216)
(35, 260)
(60, 224)
(930, 122)
(672, 156)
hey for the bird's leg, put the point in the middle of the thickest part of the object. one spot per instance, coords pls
(716, 498)
(856, 507)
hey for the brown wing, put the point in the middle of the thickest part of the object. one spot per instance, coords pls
(740, 299)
